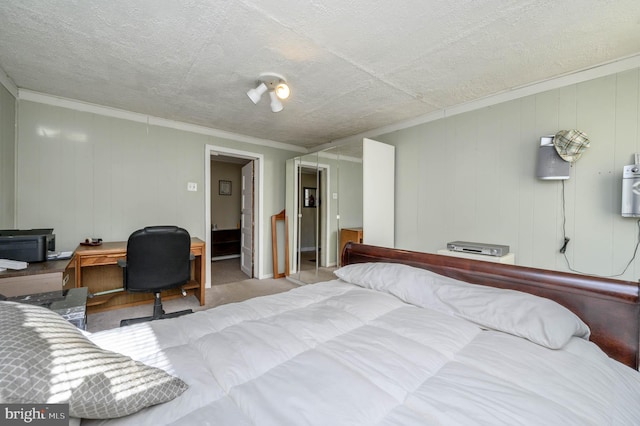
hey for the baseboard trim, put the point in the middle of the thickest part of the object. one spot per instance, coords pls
(229, 256)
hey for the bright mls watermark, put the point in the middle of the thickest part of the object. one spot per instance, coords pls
(34, 414)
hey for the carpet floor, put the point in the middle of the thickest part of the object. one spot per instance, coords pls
(229, 285)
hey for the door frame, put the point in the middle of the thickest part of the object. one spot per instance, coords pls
(258, 206)
(246, 199)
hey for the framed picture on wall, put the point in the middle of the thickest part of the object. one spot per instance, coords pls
(224, 187)
(310, 197)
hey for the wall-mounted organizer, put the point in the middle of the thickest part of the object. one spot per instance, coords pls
(550, 166)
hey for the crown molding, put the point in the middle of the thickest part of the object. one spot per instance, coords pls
(43, 98)
(8, 84)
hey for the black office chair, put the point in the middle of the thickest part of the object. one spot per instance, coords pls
(158, 258)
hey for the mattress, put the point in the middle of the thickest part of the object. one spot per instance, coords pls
(383, 345)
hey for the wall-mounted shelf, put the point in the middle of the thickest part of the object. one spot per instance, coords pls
(509, 258)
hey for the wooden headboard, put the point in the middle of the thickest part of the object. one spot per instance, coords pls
(611, 308)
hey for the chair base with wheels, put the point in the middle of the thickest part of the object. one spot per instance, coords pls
(158, 313)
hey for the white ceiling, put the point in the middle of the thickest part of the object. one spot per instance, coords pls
(352, 66)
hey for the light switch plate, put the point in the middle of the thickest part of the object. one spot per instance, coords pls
(192, 186)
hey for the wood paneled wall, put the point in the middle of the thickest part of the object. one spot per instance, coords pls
(472, 177)
(7, 157)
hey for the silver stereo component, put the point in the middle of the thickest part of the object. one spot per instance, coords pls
(478, 248)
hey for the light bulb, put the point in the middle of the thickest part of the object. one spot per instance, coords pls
(283, 91)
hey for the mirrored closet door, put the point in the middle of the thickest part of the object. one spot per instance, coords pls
(324, 191)
(344, 193)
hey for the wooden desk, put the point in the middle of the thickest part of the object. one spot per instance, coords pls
(96, 268)
(38, 277)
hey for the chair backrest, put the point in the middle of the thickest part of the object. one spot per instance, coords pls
(158, 258)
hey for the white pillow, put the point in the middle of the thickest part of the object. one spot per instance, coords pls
(396, 279)
(534, 318)
(45, 359)
(380, 275)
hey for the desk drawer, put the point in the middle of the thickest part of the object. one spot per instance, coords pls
(31, 284)
(105, 259)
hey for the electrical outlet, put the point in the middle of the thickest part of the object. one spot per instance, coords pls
(192, 186)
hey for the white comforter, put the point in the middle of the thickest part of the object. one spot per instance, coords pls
(338, 354)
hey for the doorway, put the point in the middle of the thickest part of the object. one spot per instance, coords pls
(309, 245)
(231, 219)
(233, 208)
(308, 200)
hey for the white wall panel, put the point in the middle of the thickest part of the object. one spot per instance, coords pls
(409, 196)
(86, 174)
(508, 206)
(627, 142)
(547, 212)
(432, 176)
(476, 178)
(464, 191)
(378, 193)
(591, 177)
(487, 173)
(7, 157)
(526, 138)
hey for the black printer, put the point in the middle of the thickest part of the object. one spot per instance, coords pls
(27, 245)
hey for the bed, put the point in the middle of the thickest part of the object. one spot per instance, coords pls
(399, 338)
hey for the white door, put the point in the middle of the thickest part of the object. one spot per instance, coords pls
(378, 183)
(246, 253)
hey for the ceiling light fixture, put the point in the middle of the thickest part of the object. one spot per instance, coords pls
(276, 105)
(256, 94)
(277, 87)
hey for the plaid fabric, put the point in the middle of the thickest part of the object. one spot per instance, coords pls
(570, 144)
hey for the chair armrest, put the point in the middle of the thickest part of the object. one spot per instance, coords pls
(122, 263)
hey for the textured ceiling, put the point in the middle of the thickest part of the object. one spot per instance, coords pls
(352, 66)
